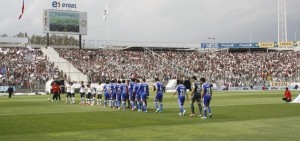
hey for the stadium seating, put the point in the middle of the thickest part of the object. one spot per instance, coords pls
(26, 68)
(236, 69)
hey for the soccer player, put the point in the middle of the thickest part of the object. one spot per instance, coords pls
(137, 95)
(131, 94)
(99, 94)
(196, 96)
(206, 94)
(118, 95)
(89, 94)
(159, 96)
(181, 91)
(73, 93)
(93, 98)
(113, 93)
(68, 90)
(127, 94)
(123, 89)
(106, 93)
(82, 93)
(144, 93)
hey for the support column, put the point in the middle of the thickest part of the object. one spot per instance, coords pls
(48, 41)
(80, 46)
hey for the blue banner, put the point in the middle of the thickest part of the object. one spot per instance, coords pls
(4, 88)
(229, 45)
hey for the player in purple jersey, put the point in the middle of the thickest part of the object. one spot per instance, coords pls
(206, 95)
(159, 96)
(123, 89)
(144, 93)
(182, 95)
(131, 94)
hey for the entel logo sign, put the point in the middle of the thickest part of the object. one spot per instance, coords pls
(56, 4)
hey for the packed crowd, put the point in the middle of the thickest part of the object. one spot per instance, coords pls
(23, 66)
(108, 64)
(235, 69)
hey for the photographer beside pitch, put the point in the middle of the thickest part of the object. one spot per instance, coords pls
(287, 95)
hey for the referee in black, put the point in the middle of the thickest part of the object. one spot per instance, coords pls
(10, 91)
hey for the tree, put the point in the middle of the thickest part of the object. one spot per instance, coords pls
(4, 35)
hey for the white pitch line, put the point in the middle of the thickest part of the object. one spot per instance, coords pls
(245, 104)
(56, 112)
(108, 110)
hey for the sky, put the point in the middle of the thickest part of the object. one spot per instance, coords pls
(189, 21)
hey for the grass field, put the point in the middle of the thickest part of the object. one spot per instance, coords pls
(237, 116)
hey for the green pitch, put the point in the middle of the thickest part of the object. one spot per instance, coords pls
(237, 116)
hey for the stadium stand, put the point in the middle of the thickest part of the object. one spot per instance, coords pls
(236, 68)
(30, 67)
(25, 68)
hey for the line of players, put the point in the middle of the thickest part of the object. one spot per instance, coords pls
(116, 93)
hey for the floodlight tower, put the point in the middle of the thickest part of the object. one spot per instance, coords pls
(282, 28)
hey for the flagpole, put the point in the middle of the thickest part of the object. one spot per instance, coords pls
(107, 25)
(107, 33)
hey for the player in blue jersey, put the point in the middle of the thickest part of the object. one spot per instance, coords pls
(159, 96)
(113, 93)
(196, 96)
(131, 94)
(106, 93)
(144, 93)
(137, 95)
(182, 95)
(123, 89)
(118, 95)
(206, 95)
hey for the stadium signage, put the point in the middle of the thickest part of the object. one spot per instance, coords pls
(57, 4)
(280, 84)
(4, 88)
(286, 44)
(266, 44)
(229, 45)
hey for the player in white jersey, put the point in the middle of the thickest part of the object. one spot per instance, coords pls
(73, 92)
(99, 93)
(93, 96)
(89, 94)
(69, 95)
(82, 93)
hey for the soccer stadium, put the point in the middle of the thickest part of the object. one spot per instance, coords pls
(59, 84)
